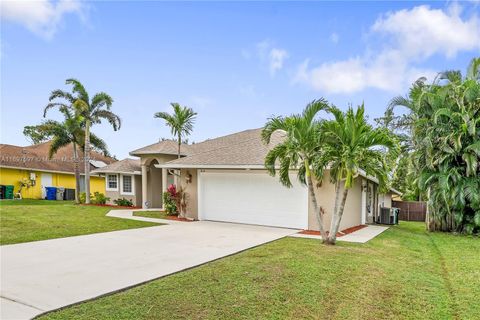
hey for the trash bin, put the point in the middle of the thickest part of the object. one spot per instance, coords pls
(60, 193)
(69, 194)
(8, 192)
(2, 192)
(51, 193)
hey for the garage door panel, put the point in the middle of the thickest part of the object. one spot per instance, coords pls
(254, 198)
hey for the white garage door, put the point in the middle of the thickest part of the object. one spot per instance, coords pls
(253, 198)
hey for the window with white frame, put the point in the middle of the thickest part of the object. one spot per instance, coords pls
(127, 184)
(112, 182)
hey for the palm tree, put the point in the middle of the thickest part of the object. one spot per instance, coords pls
(350, 145)
(62, 134)
(180, 122)
(93, 111)
(299, 151)
(444, 125)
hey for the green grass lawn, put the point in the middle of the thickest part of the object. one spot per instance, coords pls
(151, 214)
(405, 273)
(32, 220)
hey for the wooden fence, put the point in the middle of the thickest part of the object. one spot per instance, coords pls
(411, 210)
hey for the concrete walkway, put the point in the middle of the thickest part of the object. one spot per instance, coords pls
(46, 275)
(360, 236)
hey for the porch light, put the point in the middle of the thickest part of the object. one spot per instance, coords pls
(188, 178)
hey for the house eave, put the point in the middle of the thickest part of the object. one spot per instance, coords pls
(209, 166)
(137, 173)
(44, 170)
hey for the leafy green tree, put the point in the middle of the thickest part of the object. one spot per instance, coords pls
(180, 121)
(350, 145)
(92, 111)
(444, 124)
(298, 151)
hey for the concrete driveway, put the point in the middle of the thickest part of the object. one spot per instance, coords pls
(45, 275)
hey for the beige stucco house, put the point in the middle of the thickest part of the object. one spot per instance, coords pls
(225, 180)
(123, 179)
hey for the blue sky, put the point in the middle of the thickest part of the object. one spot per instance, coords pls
(236, 64)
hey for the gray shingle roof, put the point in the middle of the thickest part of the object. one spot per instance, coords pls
(162, 147)
(123, 166)
(242, 148)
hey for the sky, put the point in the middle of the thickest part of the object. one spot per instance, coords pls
(235, 63)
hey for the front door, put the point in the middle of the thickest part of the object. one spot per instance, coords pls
(47, 181)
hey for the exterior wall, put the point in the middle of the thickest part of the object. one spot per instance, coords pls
(13, 177)
(325, 193)
(96, 184)
(191, 188)
(136, 198)
(138, 191)
(385, 200)
(154, 179)
(352, 215)
(161, 158)
(154, 187)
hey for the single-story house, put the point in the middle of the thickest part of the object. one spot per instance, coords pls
(123, 179)
(225, 180)
(31, 165)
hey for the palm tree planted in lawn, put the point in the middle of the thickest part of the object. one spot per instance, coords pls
(62, 134)
(298, 151)
(180, 122)
(93, 111)
(349, 146)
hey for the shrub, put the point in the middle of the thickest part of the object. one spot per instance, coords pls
(83, 197)
(99, 198)
(169, 200)
(123, 202)
(96, 198)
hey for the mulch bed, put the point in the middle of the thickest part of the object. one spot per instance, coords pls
(176, 218)
(339, 234)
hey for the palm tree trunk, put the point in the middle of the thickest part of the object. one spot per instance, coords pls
(179, 140)
(337, 217)
(76, 169)
(316, 208)
(87, 162)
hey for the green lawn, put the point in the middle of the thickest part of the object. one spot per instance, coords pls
(32, 220)
(405, 273)
(151, 214)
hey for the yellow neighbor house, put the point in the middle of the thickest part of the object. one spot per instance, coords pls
(31, 167)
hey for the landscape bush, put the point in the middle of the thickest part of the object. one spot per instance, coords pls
(123, 202)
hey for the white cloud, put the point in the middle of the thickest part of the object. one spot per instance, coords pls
(422, 32)
(414, 35)
(334, 37)
(274, 56)
(277, 57)
(42, 17)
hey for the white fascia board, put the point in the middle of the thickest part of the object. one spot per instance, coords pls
(48, 171)
(371, 178)
(118, 172)
(209, 166)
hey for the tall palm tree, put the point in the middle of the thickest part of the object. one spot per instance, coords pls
(180, 122)
(93, 111)
(299, 151)
(349, 146)
(62, 134)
